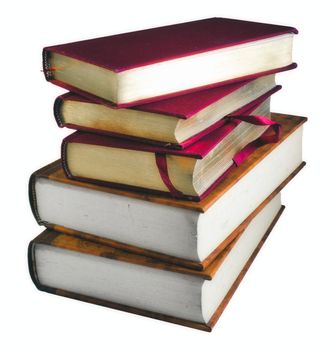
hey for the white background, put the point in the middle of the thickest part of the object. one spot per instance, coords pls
(286, 299)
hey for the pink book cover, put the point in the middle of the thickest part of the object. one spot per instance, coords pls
(141, 48)
(185, 105)
(197, 150)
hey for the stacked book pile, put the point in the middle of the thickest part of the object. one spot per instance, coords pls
(171, 183)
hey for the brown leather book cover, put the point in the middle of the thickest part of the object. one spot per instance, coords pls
(60, 240)
(149, 253)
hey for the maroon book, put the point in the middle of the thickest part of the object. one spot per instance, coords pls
(154, 124)
(137, 67)
(140, 166)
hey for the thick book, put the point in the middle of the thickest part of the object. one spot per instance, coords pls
(71, 267)
(175, 122)
(191, 173)
(153, 64)
(177, 231)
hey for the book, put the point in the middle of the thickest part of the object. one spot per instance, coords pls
(192, 172)
(177, 231)
(138, 67)
(175, 122)
(68, 266)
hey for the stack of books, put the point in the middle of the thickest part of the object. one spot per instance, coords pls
(171, 183)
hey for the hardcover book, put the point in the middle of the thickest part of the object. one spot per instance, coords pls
(189, 173)
(139, 67)
(99, 274)
(175, 122)
(177, 231)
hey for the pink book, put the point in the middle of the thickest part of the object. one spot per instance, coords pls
(176, 122)
(191, 173)
(143, 66)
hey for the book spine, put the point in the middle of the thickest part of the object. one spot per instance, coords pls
(57, 108)
(33, 271)
(32, 189)
(47, 69)
(33, 199)
(64, 160)
(32, 265)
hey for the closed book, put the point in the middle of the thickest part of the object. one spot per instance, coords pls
(176, 122)
(178, 231)
(142, 66)
(192, 172)
(68, 266)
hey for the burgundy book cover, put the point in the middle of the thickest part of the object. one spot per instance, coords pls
(192, 103)
(196, 150)
(126, 51)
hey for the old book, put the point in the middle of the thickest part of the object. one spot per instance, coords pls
(175, 122)
(177, 231)
(192, 172)
(99, 274)
(137, 67)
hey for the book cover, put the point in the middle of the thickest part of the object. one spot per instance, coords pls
(125, 51)
(55, 172)
(129, 52)
(199, 150)
(182, 107)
